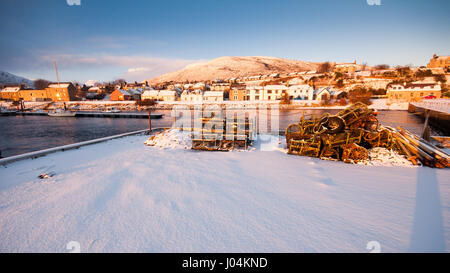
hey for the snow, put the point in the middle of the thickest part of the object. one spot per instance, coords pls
(60, 85)
(124, 196)
(233, 67)
(174, 139)
(382, 104)
(8, 78)
(383, 157)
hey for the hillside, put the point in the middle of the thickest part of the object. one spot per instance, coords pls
(231, 67)
(8, 78)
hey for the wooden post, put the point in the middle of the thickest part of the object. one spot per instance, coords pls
(149, 122)
(426, 129)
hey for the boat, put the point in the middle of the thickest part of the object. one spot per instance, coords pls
(111, 110)
(7, 112)
(61, 113)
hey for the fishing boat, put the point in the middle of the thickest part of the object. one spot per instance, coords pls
(7, 112)
(61, 113)
(111, 110)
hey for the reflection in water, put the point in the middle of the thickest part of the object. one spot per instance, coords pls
(22, 134)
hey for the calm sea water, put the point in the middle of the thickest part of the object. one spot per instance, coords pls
(22, 134)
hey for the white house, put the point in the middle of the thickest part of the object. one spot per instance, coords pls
(150, 95)
(213, 96)
(167, 95)
(323, 93)
(194, 96)
(412, 91)
(162, 95)
(301, 91)
(255, 92)
(273, 92)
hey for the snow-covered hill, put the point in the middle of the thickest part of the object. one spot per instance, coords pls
(8, 78)
(231, 67)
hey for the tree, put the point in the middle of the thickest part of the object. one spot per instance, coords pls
(379, 92)
(364, 66)
(423, 73)
(285, 99)
(325, 67)
(440, 78)
(340, 83)
(403, 71)
(382, 66)
(41, 84)
(360, 94)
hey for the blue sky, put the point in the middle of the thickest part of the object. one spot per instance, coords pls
(137, 39)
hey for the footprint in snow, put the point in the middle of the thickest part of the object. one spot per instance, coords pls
(319, 175)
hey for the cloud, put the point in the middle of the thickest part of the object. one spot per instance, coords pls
(135, 68)
(138, 69)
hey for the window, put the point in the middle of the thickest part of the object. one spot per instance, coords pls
(269, 91)
(256, 97)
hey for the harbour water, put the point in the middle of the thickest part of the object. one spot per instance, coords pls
(22, 134)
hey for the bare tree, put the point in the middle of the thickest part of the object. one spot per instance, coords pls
(382, 66)
(41, 84)
(364, 66)
(324, 67)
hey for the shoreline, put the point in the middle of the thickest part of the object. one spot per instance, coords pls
(379, 104)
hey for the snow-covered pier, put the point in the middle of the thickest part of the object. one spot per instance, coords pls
(123, 196)
(438, 111)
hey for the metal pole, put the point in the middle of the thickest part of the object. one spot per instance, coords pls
(149, 122)
(425, 131)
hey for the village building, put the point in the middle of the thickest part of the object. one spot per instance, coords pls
(192, 96)
(122, 95)
(200, 85)
(150, 95)
(375, 83)
(167, 95)
(222, 86)
(61, 91)
(273, 92)
(213, 96)
(347, 67)
(255, 92)
(439, 62)
(160, 95)
(238, 94)
(301, 91)
(135, 85)
(54, 92)
(412, 91)
(10, 93)
(94, 89)
(323, 94)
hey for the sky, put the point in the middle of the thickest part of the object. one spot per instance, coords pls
(104, 40)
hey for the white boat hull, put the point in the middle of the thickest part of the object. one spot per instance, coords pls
(61, 114)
